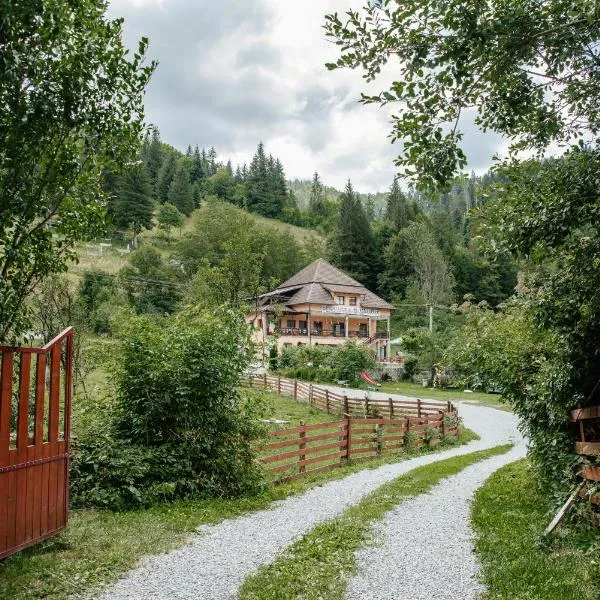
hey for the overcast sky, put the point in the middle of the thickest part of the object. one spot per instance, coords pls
(234, 72)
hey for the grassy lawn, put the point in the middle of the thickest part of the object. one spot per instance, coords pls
(318, 565)
(509, 517)
(100, 545)
(418, 391)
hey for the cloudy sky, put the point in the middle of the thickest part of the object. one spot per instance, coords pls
(234, 72)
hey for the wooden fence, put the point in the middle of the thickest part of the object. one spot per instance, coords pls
(335, 403)
(35, 409)
(299, 451)
(588, 428)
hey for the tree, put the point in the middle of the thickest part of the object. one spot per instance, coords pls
(430, 269)
(316, 200)
(529, 69)
(165, 177)
(180, 191)
(168, 216)
(399, 211)
(133, 205)
(71, 100)
(351, 246)
(153, 158)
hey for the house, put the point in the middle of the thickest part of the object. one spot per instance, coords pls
(323, 305)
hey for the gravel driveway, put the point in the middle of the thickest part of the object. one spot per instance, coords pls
(219, 557)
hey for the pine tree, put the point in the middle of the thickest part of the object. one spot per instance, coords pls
(258, 184)
(238, 174)
(399, 211)
(133, 206)
(197, 172)
(316, 203)
(154, 159)
(212, 161)
(229, 168)
(352, 245)
(369, 207)
(180, 191)
(165, 177)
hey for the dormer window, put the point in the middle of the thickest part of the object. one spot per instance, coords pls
(340, 299)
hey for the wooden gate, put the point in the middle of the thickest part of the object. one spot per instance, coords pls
(35, 414)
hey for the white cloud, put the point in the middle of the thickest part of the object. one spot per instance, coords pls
(233, 73)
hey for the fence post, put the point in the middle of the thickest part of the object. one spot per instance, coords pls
(302, 446)
(295, 389)
(310, 394)
(327, 401)
(419, 408)
(265, 380)
(346, 408)
(407, 432)
(391, 408)
(448, 405)
(250, 381)
(279, 384)
(366, 406)
(348, 436)
(377, 444)
(442, 425)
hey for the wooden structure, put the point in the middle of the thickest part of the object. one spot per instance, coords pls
(588, 424)
(35, 410)
(334, 403)
(300, 451)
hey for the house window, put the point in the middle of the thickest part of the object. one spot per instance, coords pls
(291, 324)
(352, 301)
(303, 325)
(340, 299)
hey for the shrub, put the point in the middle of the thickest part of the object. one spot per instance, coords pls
(180, 428)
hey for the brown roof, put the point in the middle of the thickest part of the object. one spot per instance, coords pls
(316, 283)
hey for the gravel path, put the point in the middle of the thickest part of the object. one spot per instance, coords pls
(427, 550)
(218, 559)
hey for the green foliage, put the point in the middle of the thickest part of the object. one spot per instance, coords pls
(151, 285)
(180, 190)
(168, 216)
(528, 68)
(71, 99)
(327, 364)
(351, 246)
(179, 428)
(507, 351)
(132, 207)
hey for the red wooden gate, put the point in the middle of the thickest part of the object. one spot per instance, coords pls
(35, 414)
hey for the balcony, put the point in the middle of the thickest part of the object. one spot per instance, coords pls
(325, 333)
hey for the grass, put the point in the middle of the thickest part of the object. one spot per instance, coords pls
(509, 517)
(417, 391)
(287, 409)
(317, 566)
(100, 545)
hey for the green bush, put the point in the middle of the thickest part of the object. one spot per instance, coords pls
(326, 364)
(180, 428)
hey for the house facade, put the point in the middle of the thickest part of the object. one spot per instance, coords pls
(323, 305)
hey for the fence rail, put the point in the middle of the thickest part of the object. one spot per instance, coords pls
(307, 449)
(336, 403)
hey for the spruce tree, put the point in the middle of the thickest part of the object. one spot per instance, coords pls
(316, 204)
(153, 159)
(133, 205)
(165, 177)
(352, 245)
(197, 172)
(399, 211)
(258, 184)
(180, 191)
(369, 207)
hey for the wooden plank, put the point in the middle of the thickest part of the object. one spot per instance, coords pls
(22, 443)
(6, 374)
(561, 513)
(591, 473)
(312, 450)
(588, 412)
(588, 448)
(293, 442)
